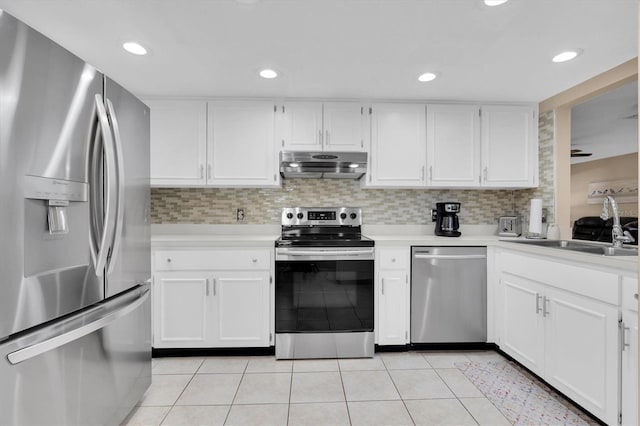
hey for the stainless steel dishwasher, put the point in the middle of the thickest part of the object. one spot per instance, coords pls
(448, 295)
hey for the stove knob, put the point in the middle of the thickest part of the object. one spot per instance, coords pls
(289, 215)
(300, 215)
(353, 215)
(343, 216)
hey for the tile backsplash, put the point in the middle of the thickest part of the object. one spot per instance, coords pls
(380, 206)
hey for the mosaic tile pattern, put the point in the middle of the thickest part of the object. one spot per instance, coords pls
(380, 206)
(520, 397)
(546, 173)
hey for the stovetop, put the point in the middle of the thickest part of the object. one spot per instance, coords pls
(325, 241)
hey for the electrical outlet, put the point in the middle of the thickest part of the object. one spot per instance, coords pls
(240, 214)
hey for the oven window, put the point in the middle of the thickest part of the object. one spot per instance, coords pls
(324, 296)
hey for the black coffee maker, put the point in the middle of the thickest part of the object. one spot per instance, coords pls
(447, 219)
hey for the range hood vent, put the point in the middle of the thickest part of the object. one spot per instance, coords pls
(323, 165)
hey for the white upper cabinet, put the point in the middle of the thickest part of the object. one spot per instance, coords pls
(344, 126)
(178, 143)
(301, 126)
(329, 126)
(241, 144)
(398, 146)
(453, 145)
(509, 146)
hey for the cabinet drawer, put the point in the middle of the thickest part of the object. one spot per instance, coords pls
(630, 294)
(394, 258)
(218, 259)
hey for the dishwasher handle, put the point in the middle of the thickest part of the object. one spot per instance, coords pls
(449, 256)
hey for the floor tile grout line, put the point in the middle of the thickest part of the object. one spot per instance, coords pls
(399, 394)
(344, 392)
(456, 395)
(235, 395)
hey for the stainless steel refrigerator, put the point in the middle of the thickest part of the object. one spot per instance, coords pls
(75, 332)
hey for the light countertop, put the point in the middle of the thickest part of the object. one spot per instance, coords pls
(189, 235)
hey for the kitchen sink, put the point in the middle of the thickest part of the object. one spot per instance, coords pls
(582, 247)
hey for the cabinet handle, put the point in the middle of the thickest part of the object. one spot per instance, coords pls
(209, 171)
(254, 260)
(430, 173)
(538, 303)
(382, 287)
(484, 174)
(326, 136)
(214, 286)
(635, 296)
(545, 311)
(624, 337)
(207, 286)
(168, 260)
(201, 171)
(319, 137)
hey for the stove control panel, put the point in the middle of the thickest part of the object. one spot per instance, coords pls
(327, 216)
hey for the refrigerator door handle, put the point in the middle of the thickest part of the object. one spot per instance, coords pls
(32, 351)
(100, 251)
(117, 235)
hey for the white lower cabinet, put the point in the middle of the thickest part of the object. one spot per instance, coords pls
(196, 305)
(181, 310)
(581, 351)
(523, 326)
(629, 348)
(561, 321)
(392, 293)
(241, 309)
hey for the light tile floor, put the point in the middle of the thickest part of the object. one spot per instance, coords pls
(405, 388)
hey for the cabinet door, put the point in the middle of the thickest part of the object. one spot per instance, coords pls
(453, 145)
(241, 311)
(630, 368)
(344, 126)
(301, 126)
(509, 146)
(240, 149)
(523, 323)
(178, 143)
(581, 359)
(392, 308)
(181, 310)
(398, 146)
(629, 349)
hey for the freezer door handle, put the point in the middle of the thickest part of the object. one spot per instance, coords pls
(103, 220)
(117, 145)
(32, 351)
(449, 256)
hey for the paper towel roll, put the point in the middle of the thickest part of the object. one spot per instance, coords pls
(535, 216)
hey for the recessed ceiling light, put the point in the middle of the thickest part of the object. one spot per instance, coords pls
(135, 48)
(567, 55)
(267, 73)
(495, 2)
(427, 76)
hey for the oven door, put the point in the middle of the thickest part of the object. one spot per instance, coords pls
(324, 290)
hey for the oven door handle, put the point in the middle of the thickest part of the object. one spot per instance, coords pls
(327, 252)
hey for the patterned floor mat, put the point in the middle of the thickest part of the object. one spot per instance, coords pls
(521, 398)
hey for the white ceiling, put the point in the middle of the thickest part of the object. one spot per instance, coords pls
(367, 49)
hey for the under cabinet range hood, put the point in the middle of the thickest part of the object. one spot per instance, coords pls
(328, 165)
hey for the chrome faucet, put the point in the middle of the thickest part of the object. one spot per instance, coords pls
(617, 235)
